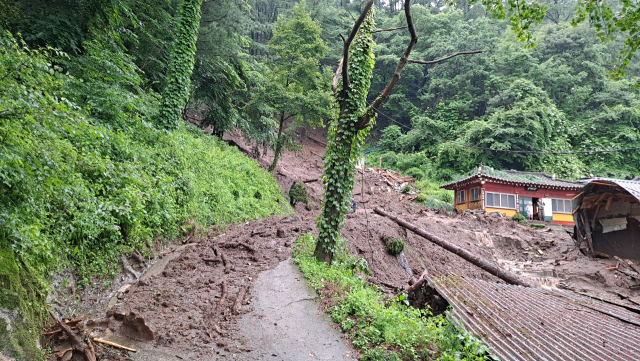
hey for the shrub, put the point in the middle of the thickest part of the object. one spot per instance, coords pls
(299, 193)
(421, 198)
(406, 189)
(395, 246)
(414, 173)
(520, 219)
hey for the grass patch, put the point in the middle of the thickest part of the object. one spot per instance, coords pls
(381, 328)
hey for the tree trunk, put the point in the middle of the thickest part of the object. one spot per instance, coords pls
(478, 261)
(279, 144)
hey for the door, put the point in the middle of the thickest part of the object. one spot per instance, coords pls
(524, 201)
(548, 211)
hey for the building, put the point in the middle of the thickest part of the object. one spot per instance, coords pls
(509, 192)
(607, 215)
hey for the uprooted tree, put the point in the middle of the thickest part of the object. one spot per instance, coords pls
(346, 133)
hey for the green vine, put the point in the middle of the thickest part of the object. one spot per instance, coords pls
(176, 93)
(345, 141)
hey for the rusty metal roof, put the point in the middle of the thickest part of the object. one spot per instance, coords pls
(520, 323)
(631, 186)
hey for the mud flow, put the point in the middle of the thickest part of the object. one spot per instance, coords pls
(227, 294)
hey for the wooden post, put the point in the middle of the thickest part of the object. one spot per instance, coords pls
(478, 261)
(380, 163)
(587, 229)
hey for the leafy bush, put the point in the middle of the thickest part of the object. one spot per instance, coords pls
(406, 189)
(519, 218)
(395, 246)
(382, 328)
(414, 173)
(299, 193)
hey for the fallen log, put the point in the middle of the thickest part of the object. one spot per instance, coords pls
(478, 261)
(237, 305)
(113, 344)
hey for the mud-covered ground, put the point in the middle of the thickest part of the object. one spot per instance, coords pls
(177, 302)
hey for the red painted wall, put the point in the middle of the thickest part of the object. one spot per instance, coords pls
(522, 192)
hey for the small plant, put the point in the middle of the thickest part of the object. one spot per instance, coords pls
(299, 193)
(381, 328)
(395, 246)
(519, 218)
(538, 225)
(421, 198)
(406, 189)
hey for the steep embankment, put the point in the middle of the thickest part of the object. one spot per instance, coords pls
(75, 192)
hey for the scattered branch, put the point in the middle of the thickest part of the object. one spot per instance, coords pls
(392, 29)
(445, 58)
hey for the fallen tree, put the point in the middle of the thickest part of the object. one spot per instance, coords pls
(478, 261)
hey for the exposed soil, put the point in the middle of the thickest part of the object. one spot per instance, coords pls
(179, 299)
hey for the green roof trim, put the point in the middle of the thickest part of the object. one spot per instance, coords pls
(512, 176)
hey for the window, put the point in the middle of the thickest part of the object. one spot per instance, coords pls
(462, 197)
(500, 200)
(561, 206)
(475, 194)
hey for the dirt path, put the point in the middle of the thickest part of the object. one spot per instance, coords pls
(287, 323)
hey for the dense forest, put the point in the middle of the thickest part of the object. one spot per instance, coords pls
(93, 161)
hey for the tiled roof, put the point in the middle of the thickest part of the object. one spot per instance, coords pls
(631, 186)
(539, 179)
(519, 323)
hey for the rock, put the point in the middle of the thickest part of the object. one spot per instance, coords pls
(280, 233)
(564, 250)
(135, 328)
(443, 212)
(117, 314)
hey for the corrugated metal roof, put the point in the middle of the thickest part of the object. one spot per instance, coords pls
(540, 179)
(519, 323)
(631, 186)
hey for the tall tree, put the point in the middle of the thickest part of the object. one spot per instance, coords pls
(176, 92)
(296, 88)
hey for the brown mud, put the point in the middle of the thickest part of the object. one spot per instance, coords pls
(178, 309)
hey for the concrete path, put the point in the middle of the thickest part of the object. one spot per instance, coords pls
(287, 323)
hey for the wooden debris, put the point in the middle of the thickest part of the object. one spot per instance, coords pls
(76, 342)
(237, 305)
(99, 340)
(212, 260)
(227, 264)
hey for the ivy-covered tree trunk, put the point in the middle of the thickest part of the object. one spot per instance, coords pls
(176, 92)
(345, 138)
(279, 144)
(347, 133)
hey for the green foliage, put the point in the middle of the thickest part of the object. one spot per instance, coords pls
(296, 87)
(395, 246)
(380, 327)
(176, 93)
(21, 300)
(75, 190)
(299, 193)
(538, 225)
(345, 140)
(519, 218)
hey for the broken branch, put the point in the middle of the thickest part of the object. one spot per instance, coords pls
(99, 340)
(413, 61)
(392, 29)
